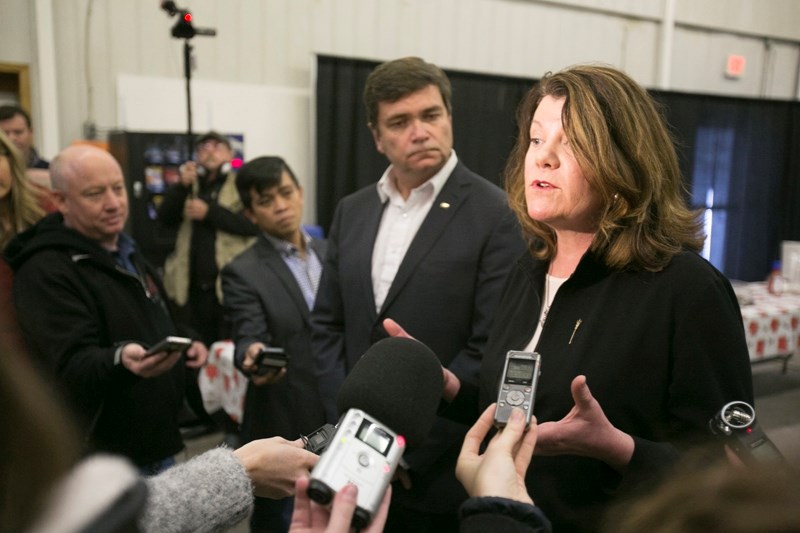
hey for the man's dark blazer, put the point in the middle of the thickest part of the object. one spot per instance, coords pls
(444, 294)
(265, 304)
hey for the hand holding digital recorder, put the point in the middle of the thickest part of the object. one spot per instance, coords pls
(517, 386)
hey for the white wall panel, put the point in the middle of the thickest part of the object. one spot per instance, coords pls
(271, 42)
(492, 19)
(362, 27)
(777, 18)
(640, 51)
(552, 50)
(70, 63)
(322, 25)
(345, 30)
(635, 8)
(299, 21)
(514, 50)
(111, 48)
(438, 39)
(274, 120)
(782, 81)
(255, 35)
(700, 58)
(16, 32)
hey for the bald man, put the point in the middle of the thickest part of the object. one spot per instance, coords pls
(90, 306)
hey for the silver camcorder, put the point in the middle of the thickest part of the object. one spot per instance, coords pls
(363, 452)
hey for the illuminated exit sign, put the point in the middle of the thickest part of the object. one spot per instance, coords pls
(734, 68)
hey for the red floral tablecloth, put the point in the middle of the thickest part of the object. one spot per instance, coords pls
(771, 322)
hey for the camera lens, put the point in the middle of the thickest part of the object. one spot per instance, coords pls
(361, 518)
(738, 415)
(320, 492)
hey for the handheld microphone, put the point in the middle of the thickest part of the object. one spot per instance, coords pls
(399, 382)
(736, 423)
(389, 401)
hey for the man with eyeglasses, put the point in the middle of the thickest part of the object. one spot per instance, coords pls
(212, 230)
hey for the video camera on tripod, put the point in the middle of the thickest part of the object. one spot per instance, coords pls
(184, 28)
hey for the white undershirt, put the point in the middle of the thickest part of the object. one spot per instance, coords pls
(400, 222)
(552, 284)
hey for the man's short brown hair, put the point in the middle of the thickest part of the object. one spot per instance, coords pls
(11, 111)
(393, 80)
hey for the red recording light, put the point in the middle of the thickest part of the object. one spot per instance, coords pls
(749, 430)
(401, 441)
(237, 162)
(187, 17)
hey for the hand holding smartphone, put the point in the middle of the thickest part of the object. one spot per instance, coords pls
(169, 344)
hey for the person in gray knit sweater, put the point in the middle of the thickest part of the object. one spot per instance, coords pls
(46, 486)
(210, 492)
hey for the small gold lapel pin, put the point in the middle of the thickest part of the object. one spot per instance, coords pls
(444, 205)
(574, 331)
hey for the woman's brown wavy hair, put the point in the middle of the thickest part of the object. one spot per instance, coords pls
(624, 148)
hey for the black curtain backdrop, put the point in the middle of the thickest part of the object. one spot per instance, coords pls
(746, 150)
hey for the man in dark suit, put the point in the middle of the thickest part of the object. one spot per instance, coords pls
(268, 292)
(429, 247)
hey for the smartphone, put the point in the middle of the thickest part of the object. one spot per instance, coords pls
(170, 344)
(517, 386)
(270, 359)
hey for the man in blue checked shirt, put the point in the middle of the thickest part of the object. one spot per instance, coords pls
(268, 292)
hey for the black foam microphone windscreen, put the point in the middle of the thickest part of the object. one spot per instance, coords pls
(398, 381)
